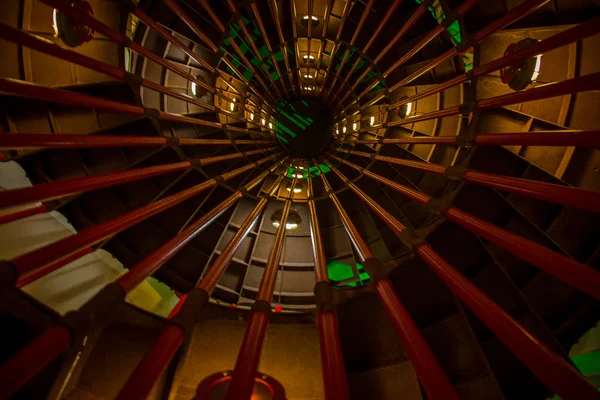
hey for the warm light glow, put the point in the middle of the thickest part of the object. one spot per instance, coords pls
(354, 126)
(308, 88)
(344, 129)
(296, 189)
(308, 57)
(408, 109)
(232, 107)
(536, 71)
(262, 121)
(287, 225)
(54, 22)
(312, 17)
(194, 88)
(270, 125)
(372, 121)
(337, 131)
(251, 116)
(307, 76)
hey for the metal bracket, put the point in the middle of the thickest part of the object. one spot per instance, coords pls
(411, 238)
(438, 206)
(173, 141)
(465, 139)
(151, 113)
(468, 107)
(261, 306)
(455, 172)
(98, 308)
(189, 313)
(196, 164)
(466, 136)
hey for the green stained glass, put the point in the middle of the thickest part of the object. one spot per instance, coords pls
(339, 271)
(282, 128)
(296, 121)
(313, 170)
(324, 168)
(360, 64)
(588, 364)
(303, 120)
(454, 31)
(284, 140)
(263, 51)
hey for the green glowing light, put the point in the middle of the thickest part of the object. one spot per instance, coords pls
(293, 120)
(284, 140)
(588, 364)
(322, 168)
(313, 170)
(338, 271)
(279, 127)
(305, 121)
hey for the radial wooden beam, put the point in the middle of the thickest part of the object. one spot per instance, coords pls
(180, 325)
(380, 25)
(422, 9)
(564, 38)
(319, 58)
(430, 373)
(296, 44)
(263, 32)
(191, 24)
(33, 42)
(336, 45)
(248, 358)
(250, 42)
(209, 10)
(357, 31)
(283, 45)
(512, 16)
(554, 371)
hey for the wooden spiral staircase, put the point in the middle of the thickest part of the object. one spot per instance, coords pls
(244, 153)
